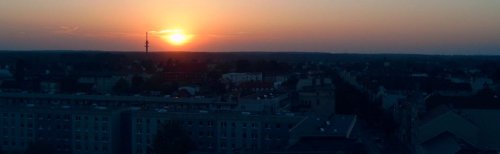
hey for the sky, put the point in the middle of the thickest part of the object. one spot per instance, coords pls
(346, 26)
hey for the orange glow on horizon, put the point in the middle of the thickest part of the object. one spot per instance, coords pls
(175, 37)
(239, 25)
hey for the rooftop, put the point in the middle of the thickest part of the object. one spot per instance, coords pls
(82, 96)
(337, 126)
(59, 108)
(226, 115)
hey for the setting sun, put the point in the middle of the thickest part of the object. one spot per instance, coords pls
(175, 37)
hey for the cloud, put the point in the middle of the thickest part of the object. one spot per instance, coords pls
(228, 35)
(67, 30)
(212, 35)
(166, 31)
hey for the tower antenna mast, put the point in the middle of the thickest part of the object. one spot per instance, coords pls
(147, 43)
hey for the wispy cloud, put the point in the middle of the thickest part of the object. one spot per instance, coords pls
(228, 35)
(67, 30)
(165, 31)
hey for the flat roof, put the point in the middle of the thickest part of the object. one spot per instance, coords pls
(229, 115)
(109, 98)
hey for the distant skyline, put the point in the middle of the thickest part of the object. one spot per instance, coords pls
(345, 26)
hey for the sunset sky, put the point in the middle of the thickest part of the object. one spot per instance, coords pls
(352, 26)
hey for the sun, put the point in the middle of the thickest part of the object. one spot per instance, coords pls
(176, 37)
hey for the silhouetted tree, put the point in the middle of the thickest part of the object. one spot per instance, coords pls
(19, 72)
(171, 139)
(137, 84)
(291, 83)
(243, 66)
(122, 86)
(69, 84)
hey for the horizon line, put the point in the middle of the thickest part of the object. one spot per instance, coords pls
(256, 51)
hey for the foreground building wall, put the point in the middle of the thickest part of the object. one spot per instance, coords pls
(216, 132)
(64, 128)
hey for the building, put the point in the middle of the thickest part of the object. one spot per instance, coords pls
(238, 78)
(316, 97)
(102, 83)
(81, 99)
(67, 129)
(5, 75)
(49, 86)
(212, 132)
(262, 103)
(451, 124)
(320, 135)
(80, 123)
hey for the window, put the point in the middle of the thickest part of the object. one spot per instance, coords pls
(104, 147)
(104, 127)
(139, 149)
(223, 145)
(224, 134)
(254, 146)
(138, 138)
(139, 130)
(77, 125)
(105, 136)
(77, 136)
(254, 136)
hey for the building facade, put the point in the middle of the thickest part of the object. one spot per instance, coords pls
(216, 132)
(66, 129)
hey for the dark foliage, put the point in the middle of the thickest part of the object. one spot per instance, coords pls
(121, 87)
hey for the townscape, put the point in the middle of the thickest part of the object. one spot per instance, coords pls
(247, 102)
